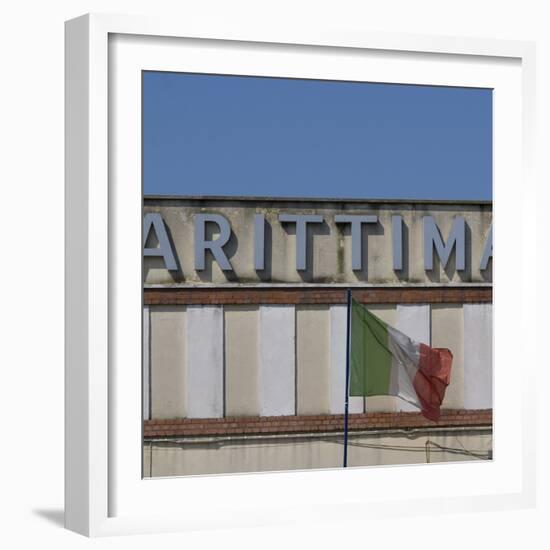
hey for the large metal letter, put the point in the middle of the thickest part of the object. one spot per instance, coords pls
(215, 245)
(259, 242)
(487, 250)
(164, 250)
(432, 238)
(301, 221)
(356, 240)
(397, 242)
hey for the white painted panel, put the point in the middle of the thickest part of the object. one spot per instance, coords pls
(277, 373)
(414, 321)
(478, 356)
(146, 365)
(338, 333)
(204, 362)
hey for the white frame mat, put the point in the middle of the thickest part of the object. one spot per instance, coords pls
(105, 494)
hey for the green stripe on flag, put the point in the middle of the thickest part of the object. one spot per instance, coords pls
(370, 357)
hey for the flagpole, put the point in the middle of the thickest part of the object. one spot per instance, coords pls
(346, 401)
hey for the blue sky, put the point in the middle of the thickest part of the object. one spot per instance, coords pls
(231, 135)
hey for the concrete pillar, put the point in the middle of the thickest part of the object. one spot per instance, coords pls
(167, 331)
(313, 359)
(204, 362)
(448, 332)
(241, 361)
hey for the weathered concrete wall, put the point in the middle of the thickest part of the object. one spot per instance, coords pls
(299, 453)
(214, 361)
(329, 244)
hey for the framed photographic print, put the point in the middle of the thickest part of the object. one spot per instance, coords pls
(280, 275)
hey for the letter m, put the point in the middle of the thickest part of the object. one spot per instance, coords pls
(433, 240)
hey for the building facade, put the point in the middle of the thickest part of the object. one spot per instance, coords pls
(244, 328)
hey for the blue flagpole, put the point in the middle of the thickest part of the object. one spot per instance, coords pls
(346, 402)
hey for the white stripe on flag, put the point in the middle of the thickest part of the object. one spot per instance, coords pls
(405, 359)
(415, 321)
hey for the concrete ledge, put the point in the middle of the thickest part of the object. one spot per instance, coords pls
(316, 200)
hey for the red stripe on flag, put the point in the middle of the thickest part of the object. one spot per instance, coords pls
(432, 378)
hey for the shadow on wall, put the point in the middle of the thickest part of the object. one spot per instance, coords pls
(403, 274)
(265, 273)
(54, 516)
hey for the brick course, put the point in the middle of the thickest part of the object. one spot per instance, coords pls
(315, 295)
(179, 427)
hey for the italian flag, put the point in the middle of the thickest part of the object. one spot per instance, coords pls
(384, 361)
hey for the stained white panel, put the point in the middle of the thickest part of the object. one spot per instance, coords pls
(414, 321)
(277, 372)
(338, 333)
(204, 362)
(146, 366)
(478, 356)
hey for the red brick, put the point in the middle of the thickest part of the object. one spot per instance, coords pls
(310, 423)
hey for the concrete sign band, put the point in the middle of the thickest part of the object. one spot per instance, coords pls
(433, 241)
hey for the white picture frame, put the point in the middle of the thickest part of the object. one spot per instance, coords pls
(105, 493)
